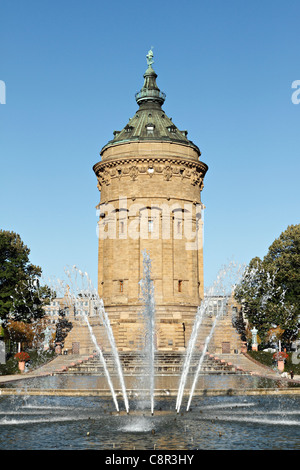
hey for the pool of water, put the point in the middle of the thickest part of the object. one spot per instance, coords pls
(171, 382)
(91, 423)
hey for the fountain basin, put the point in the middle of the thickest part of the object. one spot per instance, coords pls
(91, 423)
(166, 385)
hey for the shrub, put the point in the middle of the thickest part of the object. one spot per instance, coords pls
(22, 356)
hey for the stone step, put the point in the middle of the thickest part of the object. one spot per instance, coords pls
(164, 363)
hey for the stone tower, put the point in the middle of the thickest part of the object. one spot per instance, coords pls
(150, 179)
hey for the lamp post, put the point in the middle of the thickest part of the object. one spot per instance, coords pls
(183, 328)
(254, 339)
(2, 345)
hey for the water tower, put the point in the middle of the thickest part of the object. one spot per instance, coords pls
(150, 179)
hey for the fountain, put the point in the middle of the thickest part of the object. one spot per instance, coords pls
(148, 315)
(86, 290)
(89, 423)
(77, 415)
(226, 279)
(207, 340)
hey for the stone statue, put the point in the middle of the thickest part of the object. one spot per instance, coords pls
(149, 56)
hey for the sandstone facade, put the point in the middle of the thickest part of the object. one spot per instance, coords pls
(150, 179)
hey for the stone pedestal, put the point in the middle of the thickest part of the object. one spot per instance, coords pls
(280, 365)
(254, 332)
(2, 352)
(21, 365)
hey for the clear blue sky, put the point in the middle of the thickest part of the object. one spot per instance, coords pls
(71, 69)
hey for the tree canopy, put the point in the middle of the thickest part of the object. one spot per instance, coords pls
(270, 288)
(21, 296)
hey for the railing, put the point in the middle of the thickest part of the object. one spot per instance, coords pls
(150, 94)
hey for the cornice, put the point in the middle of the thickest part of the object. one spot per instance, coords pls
(149, 160)
(134, 167)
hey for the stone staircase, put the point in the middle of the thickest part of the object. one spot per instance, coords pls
(225, 336)
(246, 363)
(170, 337)
(166, 363)
(79, 339)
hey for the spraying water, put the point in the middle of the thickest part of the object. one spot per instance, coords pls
(223, 285)
(86, 290)
(207, 341)
(199, 317)
(103, 363)
(105, 320)
(149, 322)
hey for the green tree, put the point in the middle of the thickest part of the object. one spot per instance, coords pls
(284, 258)
(21, 296)
(270, 288)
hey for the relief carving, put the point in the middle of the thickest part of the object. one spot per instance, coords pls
(168, 169)
(133, 172)
(167, 173)
(158, 168)
(106, 177)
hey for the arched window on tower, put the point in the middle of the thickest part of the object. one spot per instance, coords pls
(150, 225)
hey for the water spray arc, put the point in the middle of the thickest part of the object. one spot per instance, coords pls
(199, 317)
(223, 285)
(86, 290)
(207, 341)
(93, 337)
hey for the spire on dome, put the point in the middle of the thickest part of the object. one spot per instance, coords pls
(150, 122)
(150, 90)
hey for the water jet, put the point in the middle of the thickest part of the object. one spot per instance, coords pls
(219, 399)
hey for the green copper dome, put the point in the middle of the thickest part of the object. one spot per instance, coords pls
(150, 122)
